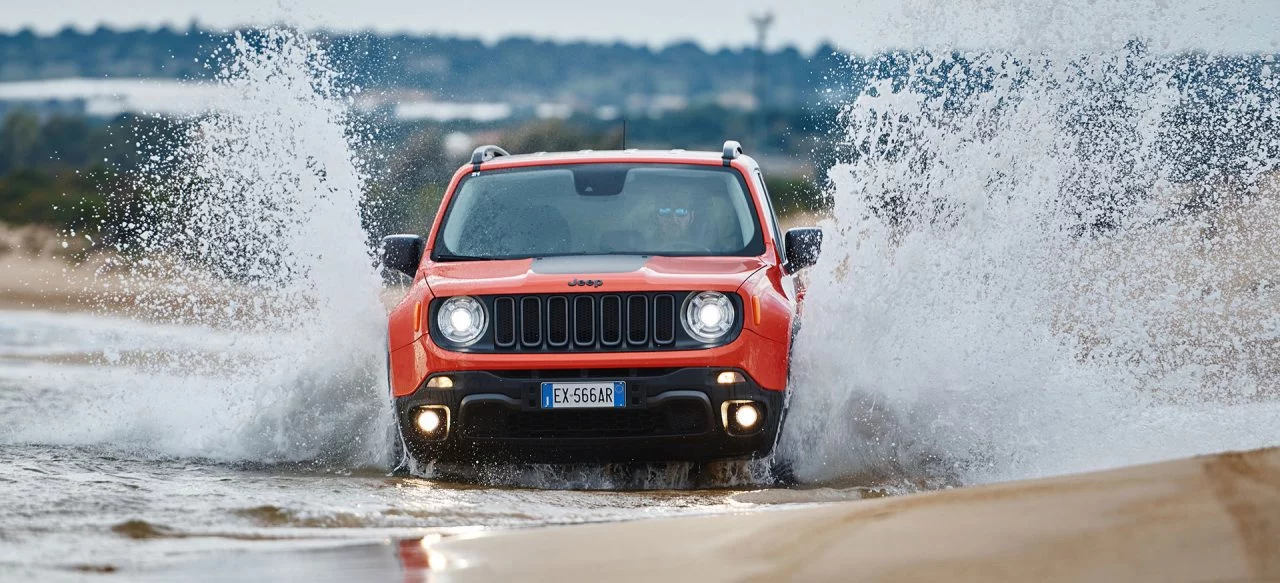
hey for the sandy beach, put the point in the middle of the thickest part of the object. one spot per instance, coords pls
(35, 282)
(1210, 518)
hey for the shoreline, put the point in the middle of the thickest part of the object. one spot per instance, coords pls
(38, 282)
(1214, 517)
(42, 282)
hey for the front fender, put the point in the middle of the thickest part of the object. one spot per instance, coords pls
(769, 310)
(407, 322)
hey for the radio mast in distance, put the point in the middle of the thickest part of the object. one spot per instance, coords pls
(762, 23)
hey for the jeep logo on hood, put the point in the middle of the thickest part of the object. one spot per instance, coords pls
(585, 283)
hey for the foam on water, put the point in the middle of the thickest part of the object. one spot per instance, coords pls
(1048, 260)
(253, 245)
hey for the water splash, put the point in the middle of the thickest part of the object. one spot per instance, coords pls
(607, 476)
(253, 244)
(1238, 26)
(1043, 261)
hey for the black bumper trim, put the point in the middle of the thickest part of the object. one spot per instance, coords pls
(669, 417)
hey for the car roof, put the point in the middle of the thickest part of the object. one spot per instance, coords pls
(647, 156)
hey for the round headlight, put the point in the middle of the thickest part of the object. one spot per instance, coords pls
(461, 320)
(708, 316)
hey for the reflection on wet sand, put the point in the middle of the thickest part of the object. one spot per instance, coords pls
(1207, 518)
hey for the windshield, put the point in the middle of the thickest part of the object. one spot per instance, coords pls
(596, 209)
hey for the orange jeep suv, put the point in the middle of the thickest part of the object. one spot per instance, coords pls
(625, 306)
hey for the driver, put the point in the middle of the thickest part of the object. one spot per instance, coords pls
(678, 225)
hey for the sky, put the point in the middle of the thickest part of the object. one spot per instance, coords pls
(857, 25)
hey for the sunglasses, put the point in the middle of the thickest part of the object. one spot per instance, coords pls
(667, 211)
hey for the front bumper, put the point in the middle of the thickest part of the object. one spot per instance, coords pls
(670, 415)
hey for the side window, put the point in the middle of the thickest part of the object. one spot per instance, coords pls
(773, 217)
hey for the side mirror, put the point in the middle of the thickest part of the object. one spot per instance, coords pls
(803, 245)
(402, 253)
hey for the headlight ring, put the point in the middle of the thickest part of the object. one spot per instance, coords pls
(708, 316)
(462, 320)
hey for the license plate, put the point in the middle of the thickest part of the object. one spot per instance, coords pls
(584, 395)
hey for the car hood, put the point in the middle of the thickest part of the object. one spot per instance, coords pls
(590, 273)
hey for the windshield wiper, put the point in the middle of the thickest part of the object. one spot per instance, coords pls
(585, 254)
(452, 257)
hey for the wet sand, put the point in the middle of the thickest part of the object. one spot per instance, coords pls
(1210, 518)
(42, 282)
(1206, 518)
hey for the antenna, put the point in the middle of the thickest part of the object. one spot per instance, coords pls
(762, 22)
(624, 133)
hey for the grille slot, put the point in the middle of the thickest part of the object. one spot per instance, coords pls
(584, 320)
(611, 320)
(530, 321)
(504, 322)
(637, 319)
(557, 321)
(664, 319)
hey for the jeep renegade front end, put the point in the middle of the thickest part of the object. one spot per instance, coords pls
(596, 306)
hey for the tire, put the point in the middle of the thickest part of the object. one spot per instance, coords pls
(398, 460)
(781, 472)
(780, 469)
(398, 456)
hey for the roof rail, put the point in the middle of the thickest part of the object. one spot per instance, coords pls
(484, 154)
(732, 150)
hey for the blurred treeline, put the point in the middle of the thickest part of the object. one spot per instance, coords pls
(81, 174)
(515, 70)
(62, 171)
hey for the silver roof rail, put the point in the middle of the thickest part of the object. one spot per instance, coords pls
(484, 154)
(732, 150)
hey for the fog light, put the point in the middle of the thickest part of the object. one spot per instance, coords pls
(729, 377)
(742, 417)
(432, 422)
(746, 416)
(429, 420)
(440, 383)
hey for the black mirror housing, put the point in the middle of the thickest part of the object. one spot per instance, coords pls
(803, 246)
(402, 253)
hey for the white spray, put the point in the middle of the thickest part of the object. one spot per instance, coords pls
(257, 250)
(1022, 278)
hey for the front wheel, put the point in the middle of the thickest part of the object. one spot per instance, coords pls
(781, 472)
(397, 454)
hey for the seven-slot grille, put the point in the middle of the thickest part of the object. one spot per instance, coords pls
(586, 322)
